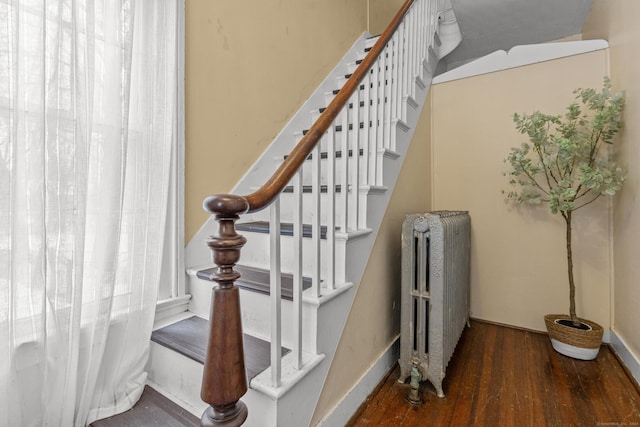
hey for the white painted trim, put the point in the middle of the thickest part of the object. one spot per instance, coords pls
(169, 308)
(291, 375)
(172, 276)
(181, 126)
(519, 56)
(328, 294)
(629, 359)
(175, 399)
(351, 401)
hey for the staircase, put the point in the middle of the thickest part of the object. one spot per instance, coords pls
(304, 254)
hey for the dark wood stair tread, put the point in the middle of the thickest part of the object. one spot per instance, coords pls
(361, 87)
(338, 128)
(361, 103)
(286, 228)
(189, 338)
(153, 409)
(308, 188)
(258, 280)
(324, 154)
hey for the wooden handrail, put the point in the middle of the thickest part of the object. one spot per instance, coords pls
(224, 380)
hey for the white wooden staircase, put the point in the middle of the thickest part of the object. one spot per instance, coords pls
(304, 254)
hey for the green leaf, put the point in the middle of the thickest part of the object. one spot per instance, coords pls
(566, 157)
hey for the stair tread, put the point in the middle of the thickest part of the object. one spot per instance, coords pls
(258, 280)
(338, 128)
(324, 154)
(308, 189)
(189, 338)
(286, 228)
(153, 409)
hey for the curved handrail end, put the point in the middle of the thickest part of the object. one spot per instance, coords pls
(226, 204)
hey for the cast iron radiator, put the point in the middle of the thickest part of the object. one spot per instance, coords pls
(435, 291)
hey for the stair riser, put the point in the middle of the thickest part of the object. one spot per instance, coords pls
(366, 168)
(370, 168)
(256, 320)
(307, 170)
(287, 206)
(256, 253)
(177, 375)
(180, 378)
(256, 314)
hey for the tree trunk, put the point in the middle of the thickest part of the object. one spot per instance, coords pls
(572, 286)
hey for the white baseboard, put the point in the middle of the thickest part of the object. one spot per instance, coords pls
(350, 403)
(630, 360)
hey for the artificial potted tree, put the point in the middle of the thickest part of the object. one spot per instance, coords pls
(568, 163)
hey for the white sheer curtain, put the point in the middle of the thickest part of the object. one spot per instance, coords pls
(87, 119)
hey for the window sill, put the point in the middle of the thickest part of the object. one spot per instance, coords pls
(170, 307)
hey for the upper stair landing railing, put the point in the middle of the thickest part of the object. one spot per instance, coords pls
(360, 119)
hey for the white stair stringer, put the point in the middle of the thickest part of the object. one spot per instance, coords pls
(324, 318)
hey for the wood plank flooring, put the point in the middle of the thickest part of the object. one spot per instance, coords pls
(502, 376)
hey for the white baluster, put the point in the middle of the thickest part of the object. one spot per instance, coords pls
(411, 19)
(408, 89)
(344, 166)
(366, 116)
(315, 221)
(406, 79)
(422, 40)
(371, 127)
(400, 71)
(388, 91)
(331, 208)
(380, 118)
(297, 268)
(275, 294)
(395, 76)
(355, 162)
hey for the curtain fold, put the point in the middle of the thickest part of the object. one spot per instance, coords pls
(87, 121)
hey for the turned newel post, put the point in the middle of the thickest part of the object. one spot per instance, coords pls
(224, 380)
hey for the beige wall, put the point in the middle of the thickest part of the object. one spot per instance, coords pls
(617, 21)
(374, 320)
(518, 270)
(249, 67)
(381, 12)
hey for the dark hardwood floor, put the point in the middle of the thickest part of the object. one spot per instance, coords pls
(502, 376)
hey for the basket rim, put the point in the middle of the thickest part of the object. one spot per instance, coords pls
(573, 336)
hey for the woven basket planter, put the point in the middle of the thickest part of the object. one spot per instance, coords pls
(574, 342)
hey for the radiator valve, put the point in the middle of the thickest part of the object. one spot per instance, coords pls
(414, 391)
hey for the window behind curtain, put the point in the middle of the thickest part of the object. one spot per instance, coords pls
(87, 127)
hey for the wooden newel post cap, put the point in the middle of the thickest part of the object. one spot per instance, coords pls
(225, 205)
